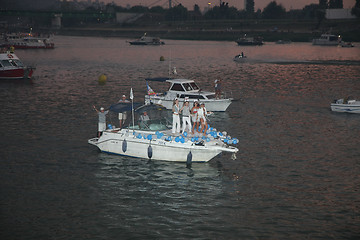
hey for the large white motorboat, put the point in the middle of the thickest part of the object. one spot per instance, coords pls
(185, 88)
(146, 40)
(27, 41)
(346, 105)
(327, 40)
(151, 138)
(12, 68)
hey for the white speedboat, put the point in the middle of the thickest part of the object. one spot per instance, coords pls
(146, 40)
(185, 88)
(240, 58)
(327, 40)
(349, 106)
(152, 139)
(12, 68)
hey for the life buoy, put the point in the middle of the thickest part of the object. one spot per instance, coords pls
(10, 56)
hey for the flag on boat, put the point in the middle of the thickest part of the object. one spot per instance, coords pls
(149, 89)
(131, 94)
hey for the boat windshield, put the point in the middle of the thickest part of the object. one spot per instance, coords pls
(194, 86)
(177, 87)
(6, 63)
(18, 63)
(152, 118)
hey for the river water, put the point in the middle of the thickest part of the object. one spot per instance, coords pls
(297, 174)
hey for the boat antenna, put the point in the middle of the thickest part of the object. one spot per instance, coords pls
(169, 73)
(132, 107)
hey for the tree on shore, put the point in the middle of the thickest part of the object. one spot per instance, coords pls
(250, 6)
(356, 9)
(274, 11)
(336, 4)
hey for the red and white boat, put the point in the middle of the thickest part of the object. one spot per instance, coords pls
(12, 68)
(26, 41)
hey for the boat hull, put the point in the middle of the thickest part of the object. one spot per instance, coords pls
(349, 108)
(213, 105)
(157, 149)
(21, 73)
(249, 43)
(145, 43)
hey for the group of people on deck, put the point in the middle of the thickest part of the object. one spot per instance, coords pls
(197, 114)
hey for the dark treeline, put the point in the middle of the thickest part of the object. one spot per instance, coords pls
(75, 13)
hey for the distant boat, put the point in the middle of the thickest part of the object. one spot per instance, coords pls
(348, 105)
(327, 40)
(26, 41)
(283, 42)
(146, 40)
(12, 68)
(249, 41)
(346, 44)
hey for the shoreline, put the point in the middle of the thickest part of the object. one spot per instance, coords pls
(203, 35)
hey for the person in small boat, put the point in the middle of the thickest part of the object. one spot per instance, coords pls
(122, 116)
(217, 85)
(144, 119)
(176, 117)
(202, 116)
(194, 116)
(102, 119)
(186, 115)
(242, 54)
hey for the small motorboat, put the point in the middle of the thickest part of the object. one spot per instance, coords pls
(185, 88)
(12, 68)
(152, 138)
(346, 105)
(240, 58)
(346, 44)
(327, 40)
(146, 40)
(283, 42)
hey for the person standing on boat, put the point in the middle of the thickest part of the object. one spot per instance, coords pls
(186, 115)
(217, 85)
(102, 119)
(122, 115)
(176, 117)
(202, 116)
(194, 116)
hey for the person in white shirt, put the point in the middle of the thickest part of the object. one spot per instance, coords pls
(176, 117)
(186, 115)
(122, 115)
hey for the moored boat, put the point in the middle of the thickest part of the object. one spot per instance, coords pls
(327, 40)
(249, 41)
(147, 40)
(345, 105)
(27, 41)
(185, 88)
(346, 44)
(152, 138)
(12, 68)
